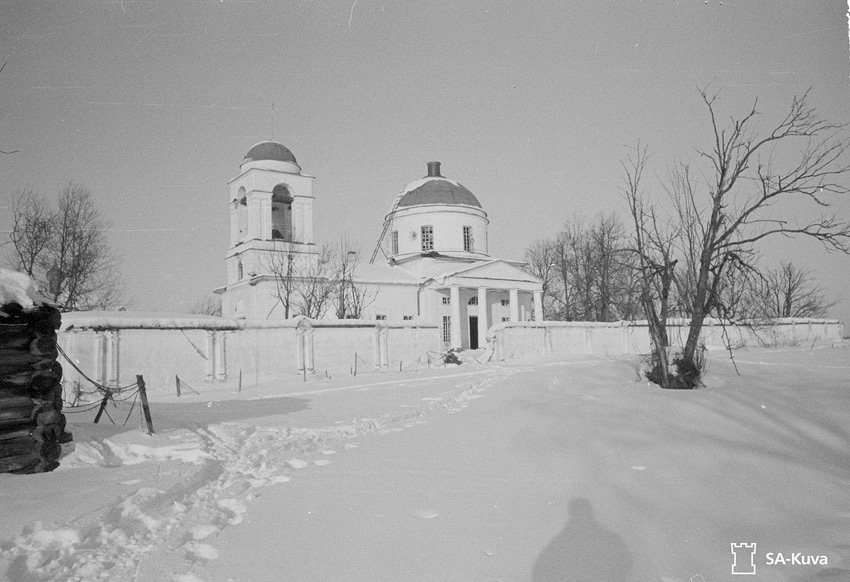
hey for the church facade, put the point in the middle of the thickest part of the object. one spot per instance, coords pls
(432, 264)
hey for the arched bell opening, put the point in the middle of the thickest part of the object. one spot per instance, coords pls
(281, 213)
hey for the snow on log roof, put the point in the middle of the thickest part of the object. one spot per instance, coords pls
(18, 288)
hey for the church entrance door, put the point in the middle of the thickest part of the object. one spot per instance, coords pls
(473, 332)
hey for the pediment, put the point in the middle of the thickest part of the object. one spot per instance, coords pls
(497, 270)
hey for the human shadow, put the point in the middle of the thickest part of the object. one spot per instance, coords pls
(583, 551)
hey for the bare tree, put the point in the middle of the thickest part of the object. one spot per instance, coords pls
(586, 272)
(69, 243)
(718, 220)
(281, 264)
(205, 306)
(789, 291)
(316, 286)
(652, 244)
(352, 297)
(540, 257)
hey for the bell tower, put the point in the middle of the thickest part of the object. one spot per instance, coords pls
(271, 219)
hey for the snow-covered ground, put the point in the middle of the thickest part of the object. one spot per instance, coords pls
(557, 470)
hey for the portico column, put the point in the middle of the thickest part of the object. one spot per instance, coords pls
(456, 341)
(483, 316)
(514, 295)
(538, 306)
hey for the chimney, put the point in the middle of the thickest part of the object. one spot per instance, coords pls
(433, 170)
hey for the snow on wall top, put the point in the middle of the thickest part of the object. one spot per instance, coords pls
(18, 288)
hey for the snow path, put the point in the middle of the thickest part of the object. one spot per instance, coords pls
(152, 532)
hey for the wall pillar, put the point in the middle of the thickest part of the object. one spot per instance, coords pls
(483, 316)
(383, 346)
(456, 337)
(100, 358)
(299, 349)
(538, 306)
(209, 375)
(308, 350)
(113, 360)
(514, 300)
(376, 344)
(220, 359)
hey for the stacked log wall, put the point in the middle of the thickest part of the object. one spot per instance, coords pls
(32, 426)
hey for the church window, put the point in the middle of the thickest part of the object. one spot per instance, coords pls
(407, 318)
(447, 300)
(505, 319)
(447, 329)
(427, 238)
(467, 238)
(381, 317)
(240, 272)
(473, 301)
(506, 302)
(395, 242)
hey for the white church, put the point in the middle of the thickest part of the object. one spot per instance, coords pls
(433, 265)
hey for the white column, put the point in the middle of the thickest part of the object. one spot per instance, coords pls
(298, 234)
(308, 222)
(265, 215)
(483, 316)
(538, 306)
(234, 222)
(255, 220)
(514, 295)
(456, 341)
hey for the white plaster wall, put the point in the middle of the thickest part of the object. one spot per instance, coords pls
(532, 339)
(448, 223)
(262, 351)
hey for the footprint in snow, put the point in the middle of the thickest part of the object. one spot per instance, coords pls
(200, 532)
(235, 507)
(200, 551)
(297, 463)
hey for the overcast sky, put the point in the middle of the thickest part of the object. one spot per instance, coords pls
(530, 104)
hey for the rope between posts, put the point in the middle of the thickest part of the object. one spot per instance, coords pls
(100, 387)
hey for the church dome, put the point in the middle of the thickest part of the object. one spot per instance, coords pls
(435, 189)
(269, 151)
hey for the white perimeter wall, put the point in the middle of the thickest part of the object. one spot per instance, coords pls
(523, 339)
(113, 352)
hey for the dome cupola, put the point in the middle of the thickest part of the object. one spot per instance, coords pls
(436, 216)
(271, 155)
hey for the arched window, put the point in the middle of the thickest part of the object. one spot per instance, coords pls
(473, 301)
(240, 272)
(281, 213)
